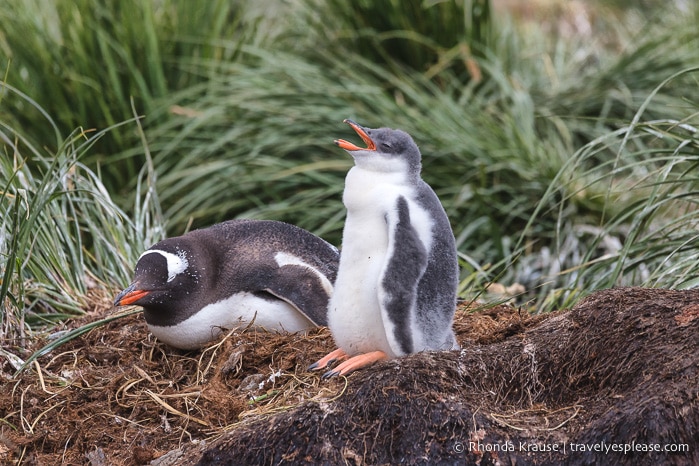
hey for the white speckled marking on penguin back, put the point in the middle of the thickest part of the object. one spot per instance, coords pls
(237, 310)
(354, 315)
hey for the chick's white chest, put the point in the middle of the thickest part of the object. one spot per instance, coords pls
(354, 314)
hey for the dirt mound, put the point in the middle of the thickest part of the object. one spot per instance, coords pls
(618, 372)
(620, 369)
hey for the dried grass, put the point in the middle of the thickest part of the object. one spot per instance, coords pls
(622, 364)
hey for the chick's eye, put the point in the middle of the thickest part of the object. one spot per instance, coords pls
(385, 146)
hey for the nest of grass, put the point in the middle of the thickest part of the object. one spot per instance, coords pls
(621, 367)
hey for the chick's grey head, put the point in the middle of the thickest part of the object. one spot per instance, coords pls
(388, 150)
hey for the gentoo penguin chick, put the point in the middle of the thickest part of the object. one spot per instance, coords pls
(192, 287)
(395, 292)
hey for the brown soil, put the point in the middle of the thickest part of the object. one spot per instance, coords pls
(620, 370)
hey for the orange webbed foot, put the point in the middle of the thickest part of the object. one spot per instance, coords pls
(328, 360)
(355, 362)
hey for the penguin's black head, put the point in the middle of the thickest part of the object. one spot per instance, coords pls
(163, 278)
(388, 150)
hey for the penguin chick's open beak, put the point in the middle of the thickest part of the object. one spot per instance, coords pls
(129, 296)
(362, 134)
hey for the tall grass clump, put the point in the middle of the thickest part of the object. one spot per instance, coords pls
(255, 139)
(535, 143)
(434, 38)
(648, 233)
(83, 61)
(61, 235)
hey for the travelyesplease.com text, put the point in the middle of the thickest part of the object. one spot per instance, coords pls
(565, 448)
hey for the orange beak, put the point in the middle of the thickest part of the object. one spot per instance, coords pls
(362, 134)
(129, 295)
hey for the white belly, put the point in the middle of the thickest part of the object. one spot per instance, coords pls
(354, 312)
(237, 311)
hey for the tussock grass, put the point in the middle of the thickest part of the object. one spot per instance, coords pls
(61, 234)
(647, 231)
(83, 61)
(563, 163)
(439, 39)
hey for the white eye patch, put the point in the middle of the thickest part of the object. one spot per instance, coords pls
(176, 263)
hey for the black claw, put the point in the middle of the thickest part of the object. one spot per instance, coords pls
(313, 366)
(330, 374)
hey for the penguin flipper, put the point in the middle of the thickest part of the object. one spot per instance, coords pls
(406, 263)
(304, 290)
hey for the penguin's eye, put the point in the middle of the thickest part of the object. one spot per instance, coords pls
(385, 146)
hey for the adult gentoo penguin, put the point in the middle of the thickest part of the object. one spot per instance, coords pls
(192, 287)
(395, 292)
